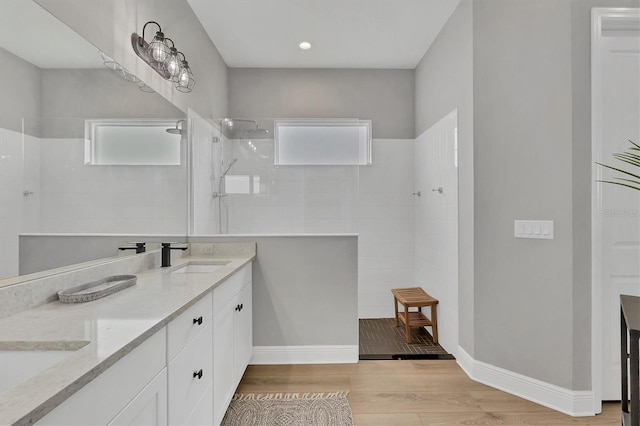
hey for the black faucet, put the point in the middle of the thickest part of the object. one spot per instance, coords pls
(166, 253)
(139, 248)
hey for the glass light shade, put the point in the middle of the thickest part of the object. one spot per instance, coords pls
(173, 64)
(158, 47)
(185, 80)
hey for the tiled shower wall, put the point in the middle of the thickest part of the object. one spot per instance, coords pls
(436, 223)
(385, 225)
(80, 198)
(268, 199)
(206, 147)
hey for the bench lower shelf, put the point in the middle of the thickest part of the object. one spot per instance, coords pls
(416, 319)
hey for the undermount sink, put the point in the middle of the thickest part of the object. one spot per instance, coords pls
(200, 267)
(19, 365)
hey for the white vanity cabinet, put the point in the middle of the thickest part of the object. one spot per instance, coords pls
(132, 391)
(185, 374)
(232, 337)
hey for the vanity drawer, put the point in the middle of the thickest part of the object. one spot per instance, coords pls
(228, 289)
(190, 375)
(187, 325)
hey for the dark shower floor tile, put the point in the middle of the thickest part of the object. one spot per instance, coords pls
(381, 339)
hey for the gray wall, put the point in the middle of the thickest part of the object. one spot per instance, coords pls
(522, 170)
(21, 96)
(49, 98)
(305, 290)
(94, 93)
(108, 24)
(444, 81)
(383, 96)
(532, 136)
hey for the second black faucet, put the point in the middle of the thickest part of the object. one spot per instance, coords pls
(166, 252)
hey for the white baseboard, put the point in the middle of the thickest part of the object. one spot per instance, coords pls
(573, 403)
(321, 354)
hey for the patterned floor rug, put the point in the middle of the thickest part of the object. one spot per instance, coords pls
(289, 409)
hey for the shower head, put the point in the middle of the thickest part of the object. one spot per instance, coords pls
(243, 128)
(258, 131)
(176, 130)
(230, 122)
(234, 161)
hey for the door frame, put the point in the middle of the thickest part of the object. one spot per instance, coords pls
(598, 15)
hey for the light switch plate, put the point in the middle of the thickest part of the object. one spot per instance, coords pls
(536, 229)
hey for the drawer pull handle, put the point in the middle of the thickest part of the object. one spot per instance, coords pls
(239, 307)
(198, 374)
(198, 320)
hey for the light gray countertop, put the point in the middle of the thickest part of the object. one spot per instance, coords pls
(105, 330)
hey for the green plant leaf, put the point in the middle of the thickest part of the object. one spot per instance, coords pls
(634, 160)
(619, 170)
(630, 158)
(619, 183)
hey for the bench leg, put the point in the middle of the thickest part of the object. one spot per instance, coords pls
(407, 324)
(434, 323)
(395, 308)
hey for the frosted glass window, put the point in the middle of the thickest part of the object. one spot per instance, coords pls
(241, 184)
(322, 142)
(131, 142)
(237, 184)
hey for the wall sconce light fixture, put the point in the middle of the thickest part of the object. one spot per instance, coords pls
(165, 59)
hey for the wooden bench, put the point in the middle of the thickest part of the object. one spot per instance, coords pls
(415, 297)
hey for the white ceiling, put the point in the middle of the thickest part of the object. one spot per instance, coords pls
(32, 33)
(259, 33)
(343, 33)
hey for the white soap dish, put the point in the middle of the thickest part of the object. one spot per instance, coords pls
(96, 289)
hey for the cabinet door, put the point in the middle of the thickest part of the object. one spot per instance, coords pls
(190, 374)
(223, 373)
(243, 333)
(149, 407)
(203, 413)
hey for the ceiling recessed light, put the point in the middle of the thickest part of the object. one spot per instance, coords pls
(305, 45)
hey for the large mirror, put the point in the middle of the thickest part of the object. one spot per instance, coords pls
(56, 87)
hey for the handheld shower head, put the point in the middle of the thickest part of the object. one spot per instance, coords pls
(234, 161)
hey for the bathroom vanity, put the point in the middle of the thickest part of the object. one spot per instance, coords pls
(169, 350)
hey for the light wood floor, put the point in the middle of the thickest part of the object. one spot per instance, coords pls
(411, 393)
